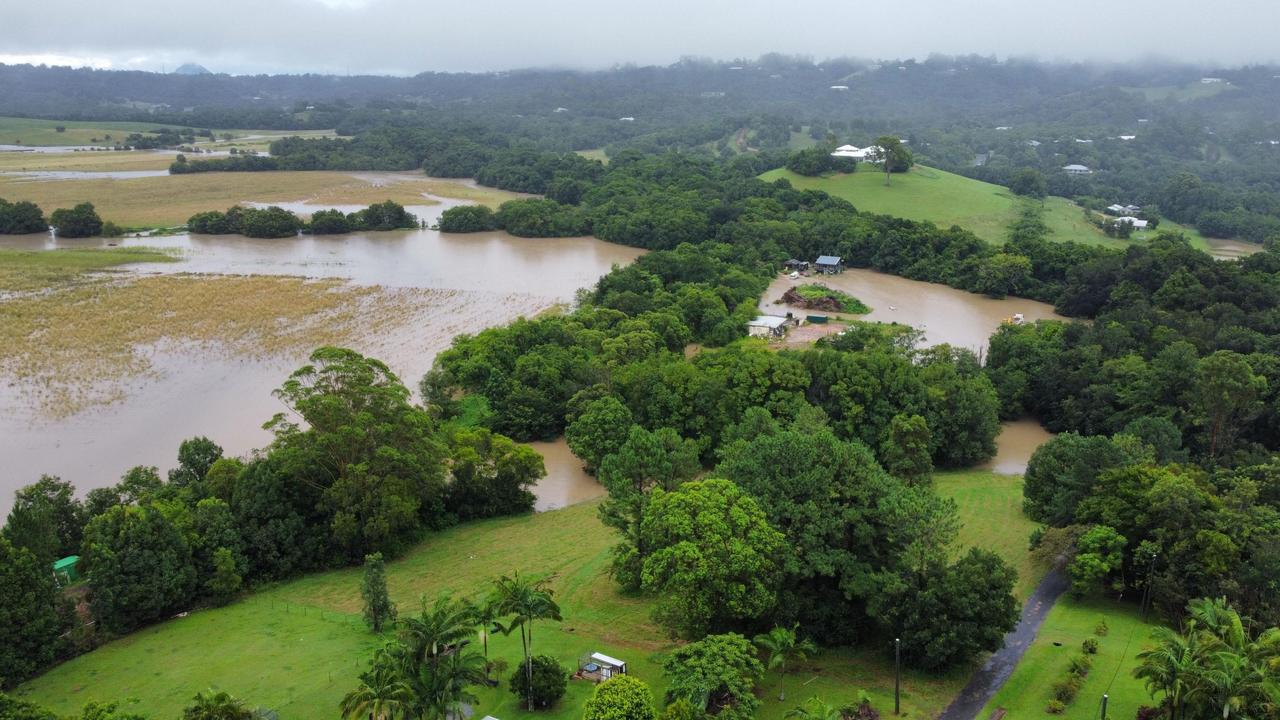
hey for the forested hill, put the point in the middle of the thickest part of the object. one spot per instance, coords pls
(950, 89)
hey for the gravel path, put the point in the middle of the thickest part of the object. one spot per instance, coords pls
(984, 683)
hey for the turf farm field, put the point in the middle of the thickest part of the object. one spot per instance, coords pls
(947, 199)
(44, 133)
(299, 646)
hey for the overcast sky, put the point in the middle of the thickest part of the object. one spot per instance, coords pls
(410, 36)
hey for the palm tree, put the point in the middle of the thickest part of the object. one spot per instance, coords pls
(382, 695)
(814, 709)
(441, 628)
(782, 646)
(1173, 666)
(525, 601)
(216, 706)
(485, 615)
(440, 687)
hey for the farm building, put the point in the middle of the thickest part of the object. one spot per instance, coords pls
(64, 570)
(1076, 170)
(829, 264)
(1137, 223)
(794, 265)
(599, 667)
(768, 326)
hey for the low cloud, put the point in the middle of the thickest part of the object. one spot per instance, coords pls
(409, 36)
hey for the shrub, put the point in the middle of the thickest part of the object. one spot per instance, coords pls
(80, 221)
(329, 222)
(620, 698)
(1056, 707)
(467, 218)
(1065, 690)
(1090, 646)
(1101, 629)
(1080, 665)
(549, 682)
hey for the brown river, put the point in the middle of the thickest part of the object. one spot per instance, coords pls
(474, 281)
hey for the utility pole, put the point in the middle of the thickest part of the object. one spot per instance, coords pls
(1146, 592)
(897, 675)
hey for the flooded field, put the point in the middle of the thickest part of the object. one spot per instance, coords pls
(416, 290)
(946, 315)
(1231, 249)
(567, 482)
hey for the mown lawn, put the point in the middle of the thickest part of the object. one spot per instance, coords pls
(1029, 689)
(991, 513)
(299, 646)
(947, 199)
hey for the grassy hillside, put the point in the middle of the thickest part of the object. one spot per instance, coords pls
(299, 646)
(1029, 689)
(947, 199)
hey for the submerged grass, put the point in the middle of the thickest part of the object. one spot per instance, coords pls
(79, 345)
(84, 161)
(172, 199)
(26, 270)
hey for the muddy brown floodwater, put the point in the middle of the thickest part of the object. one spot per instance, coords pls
(1017, 440)
(945, 314)
(441, 285)
(567, 482)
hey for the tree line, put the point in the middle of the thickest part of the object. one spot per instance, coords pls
(22, 217)
(276, 222)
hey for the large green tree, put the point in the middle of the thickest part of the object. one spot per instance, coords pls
(29, 622)
(949, 614)
(47, 519)
(139, 567)
(714, 557)
(717, 675)
(374, 455)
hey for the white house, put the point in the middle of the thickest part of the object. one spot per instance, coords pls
(1137, 223)
(1119, 209)
(870, 153)
(1076, 170)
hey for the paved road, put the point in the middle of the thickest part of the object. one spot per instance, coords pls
(991, 677)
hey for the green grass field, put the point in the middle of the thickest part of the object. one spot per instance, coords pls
(992, 519)
(27, 131)
(947, 199)
(297, 647)
(1029, 689)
